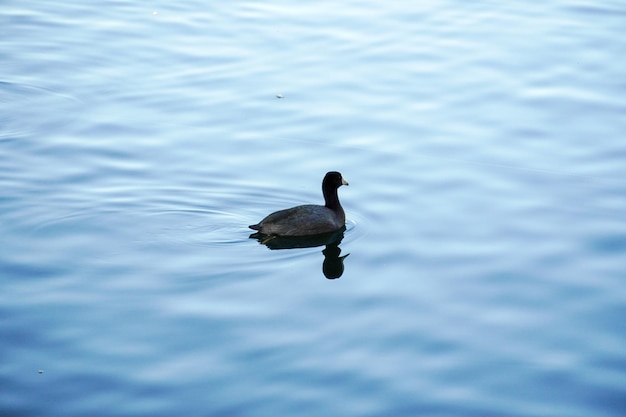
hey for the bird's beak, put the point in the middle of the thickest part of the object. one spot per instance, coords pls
(344, 182)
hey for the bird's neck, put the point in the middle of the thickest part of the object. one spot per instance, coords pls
(331, 198)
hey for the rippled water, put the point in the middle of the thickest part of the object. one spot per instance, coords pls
(485, 268)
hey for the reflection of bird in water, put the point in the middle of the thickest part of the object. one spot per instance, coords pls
(333, 263)
(309, 219)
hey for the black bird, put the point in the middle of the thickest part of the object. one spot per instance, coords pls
(308, 219)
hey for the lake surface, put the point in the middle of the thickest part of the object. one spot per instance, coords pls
(486, 225)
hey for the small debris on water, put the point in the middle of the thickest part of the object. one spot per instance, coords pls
(279, 96)
(40, 371)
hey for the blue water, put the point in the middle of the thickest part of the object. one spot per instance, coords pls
(486, 233)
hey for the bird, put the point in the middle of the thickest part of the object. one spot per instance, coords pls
(308, 219)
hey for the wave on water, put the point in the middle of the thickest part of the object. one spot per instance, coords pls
(25, 110)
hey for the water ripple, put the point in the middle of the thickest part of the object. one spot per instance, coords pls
(202, 227)
(25, 109)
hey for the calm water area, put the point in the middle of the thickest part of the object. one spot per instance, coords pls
(485, 147)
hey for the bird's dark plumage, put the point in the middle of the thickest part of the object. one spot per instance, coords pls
(308, 219)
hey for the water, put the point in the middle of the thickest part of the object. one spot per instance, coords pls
(486, 235)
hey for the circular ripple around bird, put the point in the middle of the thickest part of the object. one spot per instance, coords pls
(206, 227)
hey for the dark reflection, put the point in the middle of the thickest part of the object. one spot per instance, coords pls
(333, 262)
